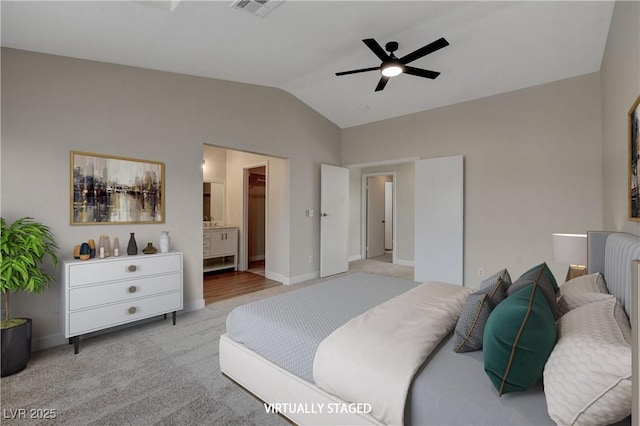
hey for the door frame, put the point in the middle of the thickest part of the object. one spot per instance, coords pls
(363, 213)
(243, 264)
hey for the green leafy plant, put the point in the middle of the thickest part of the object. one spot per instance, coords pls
(23, 247)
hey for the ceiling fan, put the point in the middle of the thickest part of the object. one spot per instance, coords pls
(392, 66)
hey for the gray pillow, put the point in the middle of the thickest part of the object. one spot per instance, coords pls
(542, 275)
(467, 335)
(503, 276)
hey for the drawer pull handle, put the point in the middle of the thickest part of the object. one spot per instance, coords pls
(132, 268)
(132, 289)
(132, 310)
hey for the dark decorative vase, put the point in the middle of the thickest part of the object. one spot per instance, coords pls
(149, 249)
(85, 251)
(16, 348)
(132, 247)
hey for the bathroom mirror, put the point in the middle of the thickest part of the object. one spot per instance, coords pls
(213, 201)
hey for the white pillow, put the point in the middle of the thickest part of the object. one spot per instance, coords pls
(587, 378)
(582, 290)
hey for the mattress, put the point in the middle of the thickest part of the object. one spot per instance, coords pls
(287, 329)
(450, 388)
(453, 389)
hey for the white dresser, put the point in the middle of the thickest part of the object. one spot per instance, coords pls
(102, 293)
(220, 249)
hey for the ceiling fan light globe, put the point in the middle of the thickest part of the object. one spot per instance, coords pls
(391, 70)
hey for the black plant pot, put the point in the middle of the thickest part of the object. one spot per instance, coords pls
(16, 348)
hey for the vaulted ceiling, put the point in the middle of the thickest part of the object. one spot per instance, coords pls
(495, 47)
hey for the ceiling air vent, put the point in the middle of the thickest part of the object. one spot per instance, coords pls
(259, 8)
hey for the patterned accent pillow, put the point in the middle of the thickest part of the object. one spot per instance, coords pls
(503, 276)
(582, 290)
(543, 277)
(467, 335)
(587, 378)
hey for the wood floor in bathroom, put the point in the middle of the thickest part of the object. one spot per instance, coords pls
(225, 285)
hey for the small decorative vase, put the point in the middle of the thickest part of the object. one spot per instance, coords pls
(132, 247)
(149, 249)
(85, 253)
(116, 247)
(76, 252)
(107, 246)
(101, 249)
(165, 241)
(92, 248)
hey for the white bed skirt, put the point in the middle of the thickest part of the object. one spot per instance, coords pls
(300, 401)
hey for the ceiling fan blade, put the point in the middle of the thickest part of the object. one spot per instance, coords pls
(376, 48)
(420, 72)
(382, 83)
(425, 50)
(357, 71)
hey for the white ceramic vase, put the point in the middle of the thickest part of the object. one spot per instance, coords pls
(165, 241)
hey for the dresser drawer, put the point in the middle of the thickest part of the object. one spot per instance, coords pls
(108, 316)
(103, 294)
(128, 268)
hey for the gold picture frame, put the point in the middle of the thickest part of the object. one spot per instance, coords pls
(110, 190)
(634, 161)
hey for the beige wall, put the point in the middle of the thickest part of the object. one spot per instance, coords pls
(215, 166)
(52, 104)
(620, 80)
(532, 166)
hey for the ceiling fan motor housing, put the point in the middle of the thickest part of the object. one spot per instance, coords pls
(391, 46)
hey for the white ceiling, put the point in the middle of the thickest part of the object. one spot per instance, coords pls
(495, 46)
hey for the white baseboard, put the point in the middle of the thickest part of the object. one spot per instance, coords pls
(292, 280)
(192, 306)
(47, 342)
(354, 257)
(276, 277)
(304, 277)
(58, 339)
(403, 262)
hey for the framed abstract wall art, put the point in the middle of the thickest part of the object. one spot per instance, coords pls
(115, 190)
(634, 161)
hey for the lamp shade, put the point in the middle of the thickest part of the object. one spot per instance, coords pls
(570, 249)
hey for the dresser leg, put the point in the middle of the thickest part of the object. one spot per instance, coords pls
(70, 340)
(174, 317)
(165, 316)
(76, 344)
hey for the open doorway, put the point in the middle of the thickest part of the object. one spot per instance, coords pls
(255, 218)
(245, 221)
(379, 229)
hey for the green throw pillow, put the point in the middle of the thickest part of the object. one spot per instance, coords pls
(542, 276)
(518, 338)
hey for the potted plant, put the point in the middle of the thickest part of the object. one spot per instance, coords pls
(23, 247)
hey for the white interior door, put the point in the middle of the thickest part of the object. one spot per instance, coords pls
(439, 202)
(375, 216)
(388, 215)
(334, 220)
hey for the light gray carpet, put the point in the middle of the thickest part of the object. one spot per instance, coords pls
(152, 373)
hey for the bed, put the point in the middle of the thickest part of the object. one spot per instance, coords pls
(270, 345)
